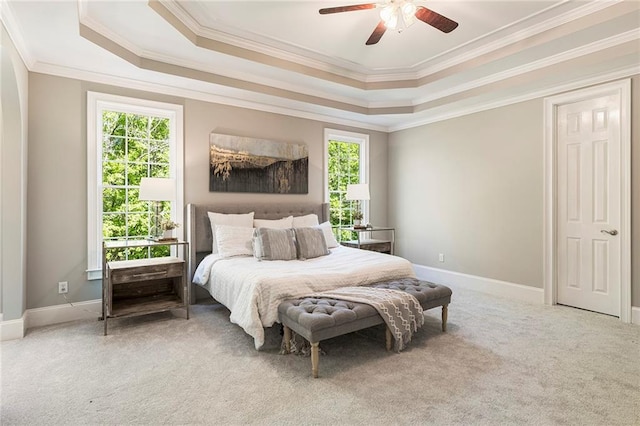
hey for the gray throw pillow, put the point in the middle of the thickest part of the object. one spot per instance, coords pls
(274, 244)
(311, 243)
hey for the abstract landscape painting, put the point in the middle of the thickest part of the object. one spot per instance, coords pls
(240, 164)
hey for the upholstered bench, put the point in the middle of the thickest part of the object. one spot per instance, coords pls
(318, 319)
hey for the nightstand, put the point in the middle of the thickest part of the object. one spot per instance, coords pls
(365, 242)
(144, 286)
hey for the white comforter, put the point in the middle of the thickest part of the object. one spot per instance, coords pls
(252, 289)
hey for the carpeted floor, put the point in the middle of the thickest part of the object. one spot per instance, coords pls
(500, 363)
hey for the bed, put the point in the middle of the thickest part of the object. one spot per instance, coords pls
(253, 289)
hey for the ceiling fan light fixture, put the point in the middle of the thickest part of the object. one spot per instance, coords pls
(398, 14)
(388, 14)
(408, 13)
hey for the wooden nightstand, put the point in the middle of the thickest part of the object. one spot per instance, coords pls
(382, 246)
(144, 286)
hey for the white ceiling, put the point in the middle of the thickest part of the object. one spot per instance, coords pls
(283, 56)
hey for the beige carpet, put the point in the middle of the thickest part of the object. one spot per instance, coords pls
(500, 363)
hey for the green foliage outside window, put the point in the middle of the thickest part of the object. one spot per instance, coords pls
(344, 169)
(133, 146)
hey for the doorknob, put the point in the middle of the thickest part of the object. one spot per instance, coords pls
(612, 232)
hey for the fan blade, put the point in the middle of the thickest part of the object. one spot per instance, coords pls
(377, 34)
(339, 9)
(436, 20)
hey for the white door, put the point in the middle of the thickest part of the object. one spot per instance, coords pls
(589, 191)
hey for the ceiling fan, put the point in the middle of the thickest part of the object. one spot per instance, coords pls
(397, 15)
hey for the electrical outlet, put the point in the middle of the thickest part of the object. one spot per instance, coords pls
(63, 287)
(441, 257)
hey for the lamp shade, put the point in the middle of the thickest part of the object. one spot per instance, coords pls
(358, 191)
(157, 189)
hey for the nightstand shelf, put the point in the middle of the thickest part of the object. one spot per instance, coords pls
(145, 305)
(144, 286)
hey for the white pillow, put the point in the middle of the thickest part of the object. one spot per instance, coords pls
(328, 234)
(305, 221)
(234, 240)
(285, 222)
(245, 220)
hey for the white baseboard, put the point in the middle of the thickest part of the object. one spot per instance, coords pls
(484, 285)
(91, 309)
(12, 329)
(635, 315)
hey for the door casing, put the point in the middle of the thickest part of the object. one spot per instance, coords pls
(550, 225)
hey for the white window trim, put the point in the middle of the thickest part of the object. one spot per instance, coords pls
(97, 102)
(363, 140)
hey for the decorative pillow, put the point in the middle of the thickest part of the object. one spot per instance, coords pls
(245, 220)
(311, 243)
(305, 221)
(329, 237)
(234, 240)
(274, 244)
(285, 222)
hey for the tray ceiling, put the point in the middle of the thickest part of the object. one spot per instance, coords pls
(284, 56)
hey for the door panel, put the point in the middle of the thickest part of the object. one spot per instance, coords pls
(588, 203)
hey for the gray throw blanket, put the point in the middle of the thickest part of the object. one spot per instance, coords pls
(400, 310)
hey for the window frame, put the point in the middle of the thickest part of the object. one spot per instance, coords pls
(361, 139)
(96, 103)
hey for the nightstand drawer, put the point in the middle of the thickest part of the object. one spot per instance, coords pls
(123, 273)
(372, 245)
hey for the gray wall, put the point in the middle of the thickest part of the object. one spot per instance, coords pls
(57, 191)
(13, 173)
(471, 188)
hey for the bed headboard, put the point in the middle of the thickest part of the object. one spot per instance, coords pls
(198, 227)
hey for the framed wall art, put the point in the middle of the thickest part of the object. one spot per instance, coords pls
(241, 164)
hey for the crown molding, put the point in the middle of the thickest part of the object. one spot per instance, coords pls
(560, 88)
(519, 36)
(594, 47)
(85, 19)
(225, 34)
(9, 21)
(253, 78)
(164, 89)
(353, 72)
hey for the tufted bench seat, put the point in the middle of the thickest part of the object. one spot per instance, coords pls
(318, 319)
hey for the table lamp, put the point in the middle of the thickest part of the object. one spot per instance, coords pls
(358, 192)
(157, 190)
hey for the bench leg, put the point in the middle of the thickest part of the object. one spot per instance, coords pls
(444, 317)
(287, 339)
(388, 337)
(315, 358)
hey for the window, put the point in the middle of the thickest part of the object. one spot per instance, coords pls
(129, 139)
(346, 162)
